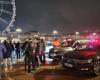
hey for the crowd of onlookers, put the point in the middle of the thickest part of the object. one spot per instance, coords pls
(34, 53)
(32, 49)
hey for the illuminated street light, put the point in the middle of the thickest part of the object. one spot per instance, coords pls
(18, 30)
(94, 34)
(55, 32)
(77, 33)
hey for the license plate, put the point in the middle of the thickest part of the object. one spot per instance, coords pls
(68, 65)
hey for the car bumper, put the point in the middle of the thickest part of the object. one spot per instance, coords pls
(78, 66)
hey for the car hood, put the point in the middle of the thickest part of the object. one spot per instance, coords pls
(80, 54)
(65, 49)
(74, 54)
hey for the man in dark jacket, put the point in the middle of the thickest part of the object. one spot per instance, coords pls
(30, 55)
(8, 54)
(2, 51)
(17, 46)
(41, 51)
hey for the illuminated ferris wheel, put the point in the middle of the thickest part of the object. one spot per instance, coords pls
(7, 14)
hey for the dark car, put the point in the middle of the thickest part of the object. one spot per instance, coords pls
(56, 53)
(85, 58)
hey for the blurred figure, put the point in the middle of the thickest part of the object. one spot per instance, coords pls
(14, 56)
(41, 51)
(64, 43)
(25, 52)
(30, 55)
(17, 46)
(8, 54)
(23, 47)
(56, 43)
(12, 49)
(2, 53)
(37, 50)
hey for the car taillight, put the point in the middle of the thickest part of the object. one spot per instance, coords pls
(94, 42)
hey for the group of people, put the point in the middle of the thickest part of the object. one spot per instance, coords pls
(34, 53)
(7, 48)
(32, 49)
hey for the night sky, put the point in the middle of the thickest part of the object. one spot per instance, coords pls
(63, 15)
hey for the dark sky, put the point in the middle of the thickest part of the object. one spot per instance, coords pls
(61, 15)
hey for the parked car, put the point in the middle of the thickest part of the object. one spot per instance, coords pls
(57, 52)
(48, 46)
(81, 56)
(85, 57)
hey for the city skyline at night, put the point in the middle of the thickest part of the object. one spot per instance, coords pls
(62, 15)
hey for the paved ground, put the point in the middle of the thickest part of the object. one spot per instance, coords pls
(48, 72)
(18, 73)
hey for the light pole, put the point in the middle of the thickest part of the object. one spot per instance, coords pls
(55, 32)
(77, 35)
(18, 30)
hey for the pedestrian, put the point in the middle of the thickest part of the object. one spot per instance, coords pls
(2, 52)
(7, 56)
(14, 56)
(56, 43)
(17, 45)
(37, 48)
(30, 56)
(41, 51)
(25, 52)
(12, 49)
(23, 47)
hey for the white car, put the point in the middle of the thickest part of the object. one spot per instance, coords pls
(48, 46)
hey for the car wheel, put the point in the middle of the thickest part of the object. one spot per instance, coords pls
(96, 67)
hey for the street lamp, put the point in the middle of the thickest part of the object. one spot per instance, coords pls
(55, 33)
(77, 35)
(18, 30)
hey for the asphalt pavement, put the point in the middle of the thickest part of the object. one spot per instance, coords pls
(47, 71)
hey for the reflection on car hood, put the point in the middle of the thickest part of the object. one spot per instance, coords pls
(65, 49)
(80, 54)
(74, 54)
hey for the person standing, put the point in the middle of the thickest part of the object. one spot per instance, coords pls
(56, 43)
(17, 46)
(2, 52)
(12, 49)
(8, 54)
(37, 50)
(30, 56)
(41, 51)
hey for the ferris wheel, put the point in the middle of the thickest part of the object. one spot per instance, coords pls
(7, 14)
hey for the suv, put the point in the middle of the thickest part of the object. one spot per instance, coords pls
(81, 56)
(85, 57)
